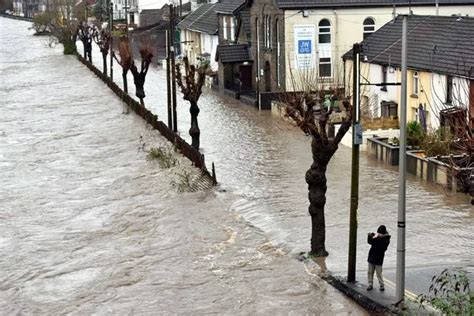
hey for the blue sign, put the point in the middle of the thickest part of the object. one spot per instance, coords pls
(304, 47)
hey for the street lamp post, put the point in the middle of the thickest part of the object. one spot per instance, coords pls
(111, 28)
(357, 140)
(400, 275)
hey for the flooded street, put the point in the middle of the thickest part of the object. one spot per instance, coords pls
(88, 225)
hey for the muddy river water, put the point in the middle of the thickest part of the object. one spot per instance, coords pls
(88, 225)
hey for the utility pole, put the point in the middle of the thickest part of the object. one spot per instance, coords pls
(126, 17)
(357, 140)
(173, 67)
(168, 77)
(111, 28)
(400, 276)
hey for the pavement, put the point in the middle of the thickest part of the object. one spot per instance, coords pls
(417, 281)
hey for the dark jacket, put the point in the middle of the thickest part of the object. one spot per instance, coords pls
(379, 246)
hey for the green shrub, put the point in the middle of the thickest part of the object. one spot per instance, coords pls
(69, 47)
(437, 143)
(415, 133)
(450, 293)
(42, 23)
(164, 156)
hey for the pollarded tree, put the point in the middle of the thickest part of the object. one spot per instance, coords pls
(125, 59)
(139, 76)
(191, 83)
(85, 34)
(313, 118)
(103, 39)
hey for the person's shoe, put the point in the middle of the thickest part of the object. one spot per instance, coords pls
(370, 288)
(382, 288)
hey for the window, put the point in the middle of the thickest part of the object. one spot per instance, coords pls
(232, 29)
(449, 89)
(277, 32)
(369, 27)
(257, 32)
(384, 78)
(269, 33)
(325, 67)
(224, 26)
(416, 83)
(324, 32)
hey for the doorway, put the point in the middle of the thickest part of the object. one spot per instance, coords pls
(267, 77)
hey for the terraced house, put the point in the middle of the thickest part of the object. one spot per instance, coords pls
(271, 46)
(199, 37)
(330, 27)
(440, 70)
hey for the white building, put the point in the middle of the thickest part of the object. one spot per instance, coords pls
(199, 35)
(333, 26)
(440, 68)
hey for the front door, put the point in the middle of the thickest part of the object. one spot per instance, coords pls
(246, 77)
(268, 77)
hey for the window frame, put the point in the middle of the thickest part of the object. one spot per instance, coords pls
(449, 89)
(416, 83)
(367, 27)
(324, 61)
(384, 77)
(324, 31)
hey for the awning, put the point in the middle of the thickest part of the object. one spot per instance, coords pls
(237, 53)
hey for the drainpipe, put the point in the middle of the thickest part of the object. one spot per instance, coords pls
(336, 27)
(437, 7)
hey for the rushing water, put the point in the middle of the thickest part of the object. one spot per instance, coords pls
(87, 225)
(263, 160)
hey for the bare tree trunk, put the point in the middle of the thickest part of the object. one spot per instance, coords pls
(316, 179)
(194, 131)
(125, 83)
(104, 63)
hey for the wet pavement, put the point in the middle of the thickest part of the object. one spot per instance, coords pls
(89, 225)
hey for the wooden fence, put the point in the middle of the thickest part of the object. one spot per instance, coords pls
(187, 150)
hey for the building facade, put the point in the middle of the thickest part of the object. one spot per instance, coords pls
(268, 48)
(326, 30)
(440, 69)
(199, 35)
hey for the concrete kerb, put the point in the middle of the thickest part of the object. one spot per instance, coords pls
(355, 292)
(186, 150)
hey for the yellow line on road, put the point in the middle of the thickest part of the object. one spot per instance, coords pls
(408, 293)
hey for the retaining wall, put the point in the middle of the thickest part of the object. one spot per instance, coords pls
(187, 150)
(430, 169)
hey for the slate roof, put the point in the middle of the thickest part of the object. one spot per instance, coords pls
(203, 19)
(306, 4)
(229, 6)
(151, 16)
(438, 44)
(233, 53)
